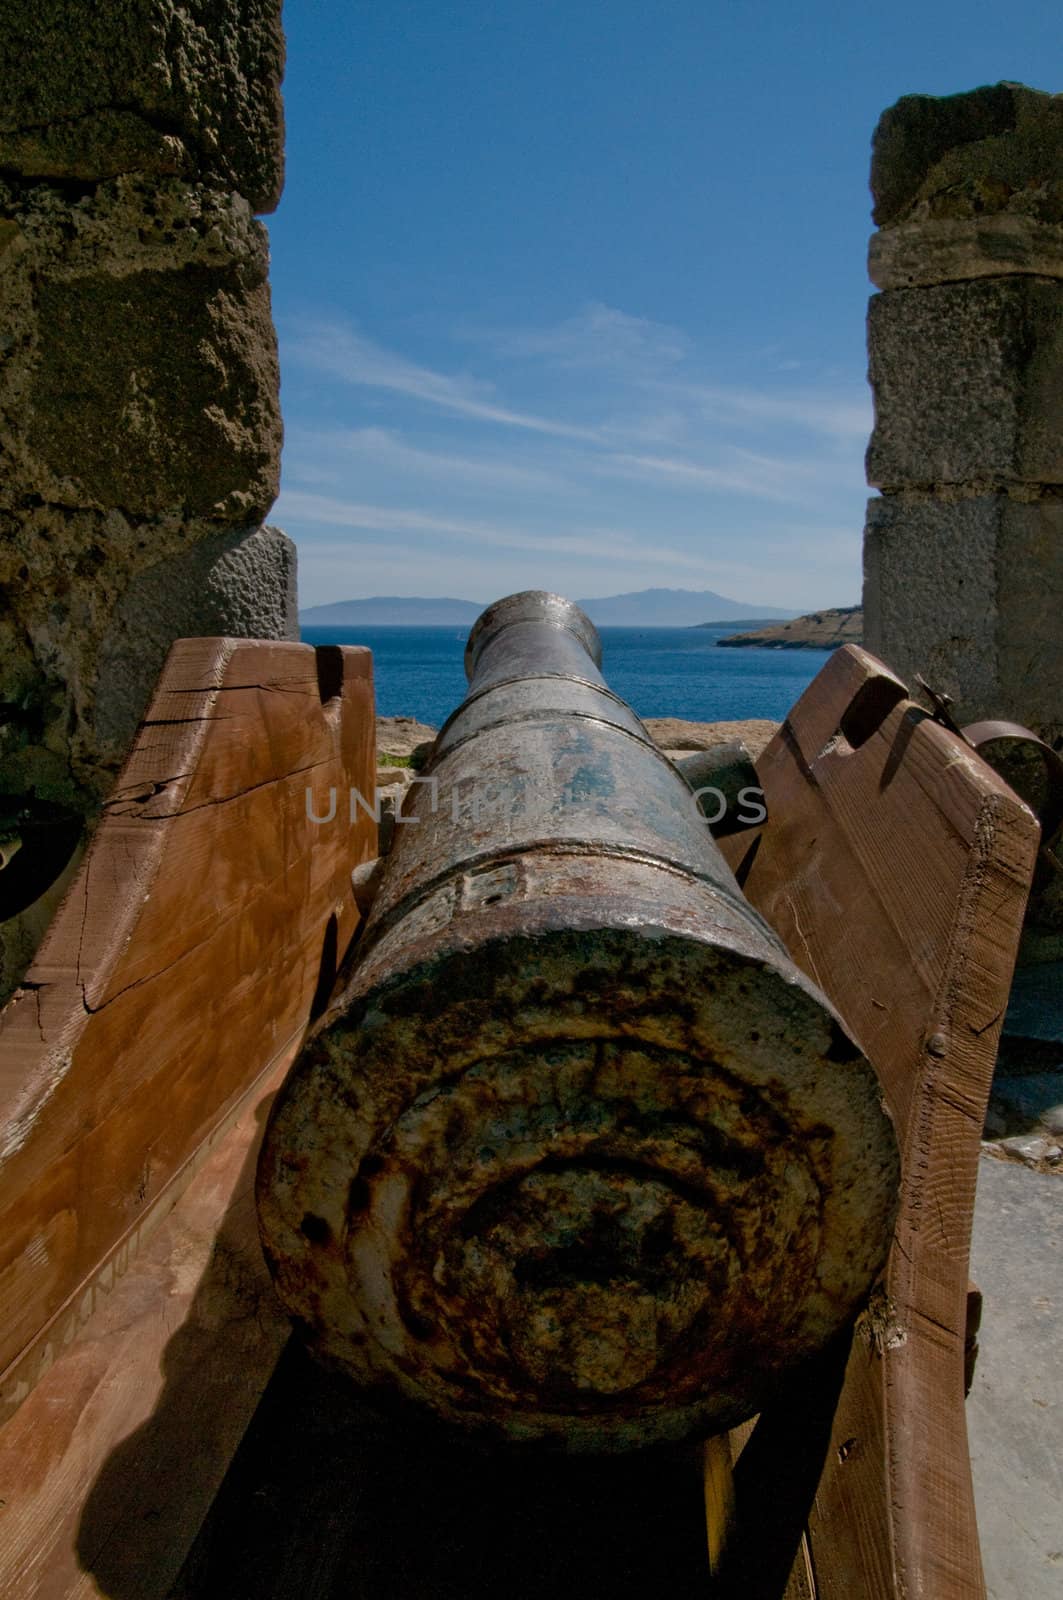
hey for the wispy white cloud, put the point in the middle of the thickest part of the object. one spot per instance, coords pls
(745, 473)
(602, 442)
(599, 336)
(676, 472)
(308, 473)
(839, 416)
(386, 449)
(339, 351)
(606, 543)
(330, 571)
(646, 353)
(388, 454)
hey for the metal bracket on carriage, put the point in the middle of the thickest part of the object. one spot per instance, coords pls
(365, 881)
(728, 775)
(1048, 806)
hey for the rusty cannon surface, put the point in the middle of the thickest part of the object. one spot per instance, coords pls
(576, 1153)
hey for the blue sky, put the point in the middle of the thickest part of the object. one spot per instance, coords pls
(572, 295)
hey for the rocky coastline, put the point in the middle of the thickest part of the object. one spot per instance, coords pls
(819, 630)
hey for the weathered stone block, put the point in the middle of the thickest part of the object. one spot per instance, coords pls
(92, 618)
(235, 583)
(930, 593)
(966, 384)
(158, 390)
(139, 418)
(79, 658)
(970, 595)
(154, 86)
(964, 155)
(142, 368)
(88, 613)
(949, 250)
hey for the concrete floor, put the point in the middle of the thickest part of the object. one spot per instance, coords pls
(1015, 1408)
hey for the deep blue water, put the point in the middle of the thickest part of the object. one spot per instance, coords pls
(661, 672)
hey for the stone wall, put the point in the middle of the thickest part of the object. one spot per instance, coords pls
(963, 553)
(139, 416)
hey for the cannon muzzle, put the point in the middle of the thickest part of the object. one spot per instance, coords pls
(578, 1154)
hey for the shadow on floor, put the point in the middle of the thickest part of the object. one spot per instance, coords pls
(326, 1501)
(321, 1498)
(152, 1492)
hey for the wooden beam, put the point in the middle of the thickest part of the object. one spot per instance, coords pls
(895, 864)
(109, 1468)
(184, 960)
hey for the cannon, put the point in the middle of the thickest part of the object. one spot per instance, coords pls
(575, 1154)
(159, 1430)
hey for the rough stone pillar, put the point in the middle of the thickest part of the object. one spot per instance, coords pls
(963, 554)
(139, 419)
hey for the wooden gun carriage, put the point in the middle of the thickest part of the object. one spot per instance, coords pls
(160, 1435)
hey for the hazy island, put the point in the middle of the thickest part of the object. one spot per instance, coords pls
(819, 630)
(646, 608)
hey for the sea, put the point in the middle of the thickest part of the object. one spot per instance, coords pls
(660, 672)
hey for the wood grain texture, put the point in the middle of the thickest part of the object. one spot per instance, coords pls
(182, 963)
(718, 1480)
(110, 1467)
(895, 864)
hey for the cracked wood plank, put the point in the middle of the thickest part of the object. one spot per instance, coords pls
(110, 1466)
(181, 964)
(895, 866)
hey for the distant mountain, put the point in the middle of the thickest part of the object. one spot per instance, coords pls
(646, 608)
(673, 608)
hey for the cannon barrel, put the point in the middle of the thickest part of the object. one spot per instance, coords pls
(578, 1154)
